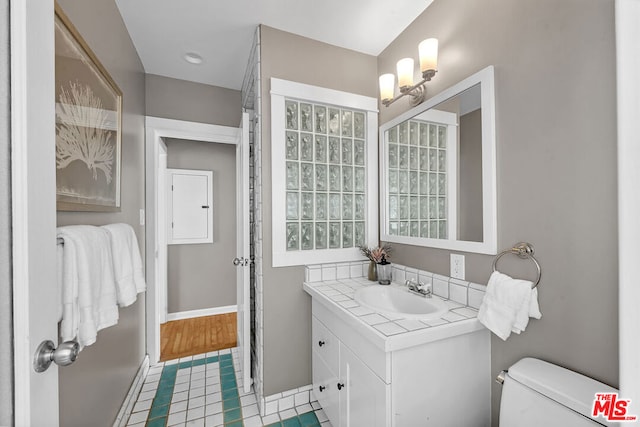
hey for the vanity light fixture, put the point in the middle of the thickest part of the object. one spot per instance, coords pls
(428, 51)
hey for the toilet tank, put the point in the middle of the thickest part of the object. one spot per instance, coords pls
(537, 393)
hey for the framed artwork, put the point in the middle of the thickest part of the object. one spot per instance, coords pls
(88, 125)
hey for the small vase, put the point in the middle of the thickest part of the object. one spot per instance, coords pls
(373, 272)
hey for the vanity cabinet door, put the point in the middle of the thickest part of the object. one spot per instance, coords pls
(325, 388)
(363, 395)
(325, 343)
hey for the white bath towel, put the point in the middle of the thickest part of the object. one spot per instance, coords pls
(127, 264)
(508, 304)
(88, 288)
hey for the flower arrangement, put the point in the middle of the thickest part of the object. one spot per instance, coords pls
(376, 254)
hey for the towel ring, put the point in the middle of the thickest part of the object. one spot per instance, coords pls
(523, 250)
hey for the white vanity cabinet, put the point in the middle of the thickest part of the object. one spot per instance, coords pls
(348, 391)
(440, 378)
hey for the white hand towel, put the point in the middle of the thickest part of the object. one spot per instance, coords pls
(529, 309)
(127, 264)
(89, 289)
(68, 288)
(507, 305)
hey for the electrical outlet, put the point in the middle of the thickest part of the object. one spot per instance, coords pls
(457, 266)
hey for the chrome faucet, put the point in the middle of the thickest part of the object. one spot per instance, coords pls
(419, 288)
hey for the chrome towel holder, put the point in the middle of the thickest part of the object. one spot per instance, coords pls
(523, 250)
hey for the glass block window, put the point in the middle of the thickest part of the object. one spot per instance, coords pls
(417, 179)
(325, 176)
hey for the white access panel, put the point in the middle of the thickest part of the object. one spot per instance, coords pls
(189, 209)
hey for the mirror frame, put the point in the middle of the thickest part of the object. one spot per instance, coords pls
(485, 78)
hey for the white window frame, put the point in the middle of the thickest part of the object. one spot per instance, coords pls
(281, 89)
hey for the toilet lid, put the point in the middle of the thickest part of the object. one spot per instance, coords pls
(566, 387)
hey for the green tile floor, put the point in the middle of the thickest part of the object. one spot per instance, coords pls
(204, 392)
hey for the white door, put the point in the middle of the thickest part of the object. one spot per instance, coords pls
(161, 252)
(243, 257)
(34, 211)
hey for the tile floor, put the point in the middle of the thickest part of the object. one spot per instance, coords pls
(202, 391)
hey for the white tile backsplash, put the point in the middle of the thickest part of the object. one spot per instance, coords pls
(343, 271)
(313, 273)
(458, 282)
(475, 298)
(458, 293)
(356, 269)
(329, 272)
(425, 277)
(410, 273)
(440, 287)
(398, 273)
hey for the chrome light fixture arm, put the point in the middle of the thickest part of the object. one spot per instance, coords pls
(417, 92)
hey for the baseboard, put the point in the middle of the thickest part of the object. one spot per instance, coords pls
(286, 400)
(132, 395)
(200, 313)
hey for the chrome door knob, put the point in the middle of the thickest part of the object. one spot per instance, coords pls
(64, 355)
(238, 261)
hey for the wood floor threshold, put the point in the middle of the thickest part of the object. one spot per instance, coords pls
(187, 337)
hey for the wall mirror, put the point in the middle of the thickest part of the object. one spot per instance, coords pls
(438, 170)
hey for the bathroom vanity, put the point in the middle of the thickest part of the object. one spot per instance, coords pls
(395, 369)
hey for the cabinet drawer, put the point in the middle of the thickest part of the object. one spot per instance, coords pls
(327, 379)
(325, 344)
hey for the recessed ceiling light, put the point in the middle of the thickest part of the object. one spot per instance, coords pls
(193, 58)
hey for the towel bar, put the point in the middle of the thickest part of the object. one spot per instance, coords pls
(523, 250)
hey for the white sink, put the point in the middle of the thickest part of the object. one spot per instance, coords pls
(400, 302)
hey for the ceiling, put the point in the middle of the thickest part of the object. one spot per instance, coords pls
(221, 31)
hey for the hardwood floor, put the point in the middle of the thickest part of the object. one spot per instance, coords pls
(181, 338)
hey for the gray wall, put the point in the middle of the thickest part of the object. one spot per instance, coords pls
(202, 276)
(171, 98)
(96, 385)
(470, 173)
(556, 133)
(6, 298)
(287, 308)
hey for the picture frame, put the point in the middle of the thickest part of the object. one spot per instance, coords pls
(88, 125)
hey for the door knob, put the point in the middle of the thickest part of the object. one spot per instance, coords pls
(241, 261)
(340, 386)
(64, 355)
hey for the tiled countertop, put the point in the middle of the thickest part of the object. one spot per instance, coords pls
(384, 330)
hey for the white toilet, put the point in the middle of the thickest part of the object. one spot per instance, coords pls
(536, 393)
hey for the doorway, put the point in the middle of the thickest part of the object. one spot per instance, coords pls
(159, 131)
(200, 207)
